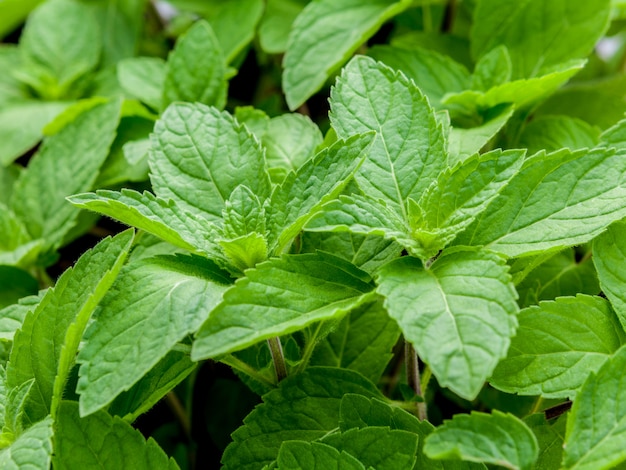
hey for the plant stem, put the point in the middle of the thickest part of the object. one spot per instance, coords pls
(413, 377)
(427, 19)
(173, 402)
(278, 358)
(309, 348)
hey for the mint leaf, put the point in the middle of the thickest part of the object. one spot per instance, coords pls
(324, 36)
(609, 254)
(301, 455)
(464, 300)
(492, 69)
(12, 316)
(435, 74)
(556, 200)
(196, 69)
(551, 133)
(243, 213)
(103, 441)
(200, 155)
(408, 152)
(461, 193)
(60, 43)
(377, 447)
(16, 245)
(33, 448)
(304, 407)
(497, 438)
(297, 200)
(362, 341)
(538, 35)
(154, 304)
(276, 23)
(597, 421)
(290, 140)
(550, 437)
(143, 78)
(46, 345)
(73, 156)
(557, 345)
(152, 214)
(279, 297)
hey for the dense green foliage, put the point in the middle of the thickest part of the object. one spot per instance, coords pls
(364, 234)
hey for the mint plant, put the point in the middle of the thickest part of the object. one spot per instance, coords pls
(426, 273)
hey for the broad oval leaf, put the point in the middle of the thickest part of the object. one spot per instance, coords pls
(459, 314)
(155, 303)
(557, 345)
(409, 150)
(323, 37)
(594, 438)
(497, 438)
(281, 296)
(200, 155)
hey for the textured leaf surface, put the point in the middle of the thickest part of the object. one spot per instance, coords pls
(539, 34)
(143, 78)
(302, 455)
(550, 437)
(32, 449)
(552, 133)
(323, 37)
(200, 155)
(557, 345)
(102, 441)
(279, 297)
(154, 304)
(497, 438)
(303, 407)
(46, 345)
(319, 180)
(564, 198)
(609, 257)
(74, 157)
(377, 447)
(196, 69)
(459, 314)
(362, 341)
(152, 214)
(596, 426)
(408, 152)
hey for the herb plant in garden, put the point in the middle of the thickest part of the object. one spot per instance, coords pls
(404, 250)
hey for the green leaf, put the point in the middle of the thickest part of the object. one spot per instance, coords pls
(60, 43)
(8, 177)
(557, 345)
(324, 36)
(609, 256)
(15, 283)
(595, 428)
(550, 439)
(305, 406)
(465, 142)
(200, 155)
(16, 245)
(497, 438)
(301, 455)
(196, 69)
(408, 152)
(492, 69)
(435, 74)
(143, 78)
(303, 193)
(103, 441)
(464, 301)
(538, 35)
(73, 156)
(363, 341)
(153, 386)
(561, 199)
(559, 276)
(13, 13)
(460, 194)
(32, 449)
(377, 447)
(12, 317)
(281, 296)
(154, 304)
(276, 24)
(243, 214)
(21, 125)
(46, 345)
(552, 133)
(290, 140)
(152, 214)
